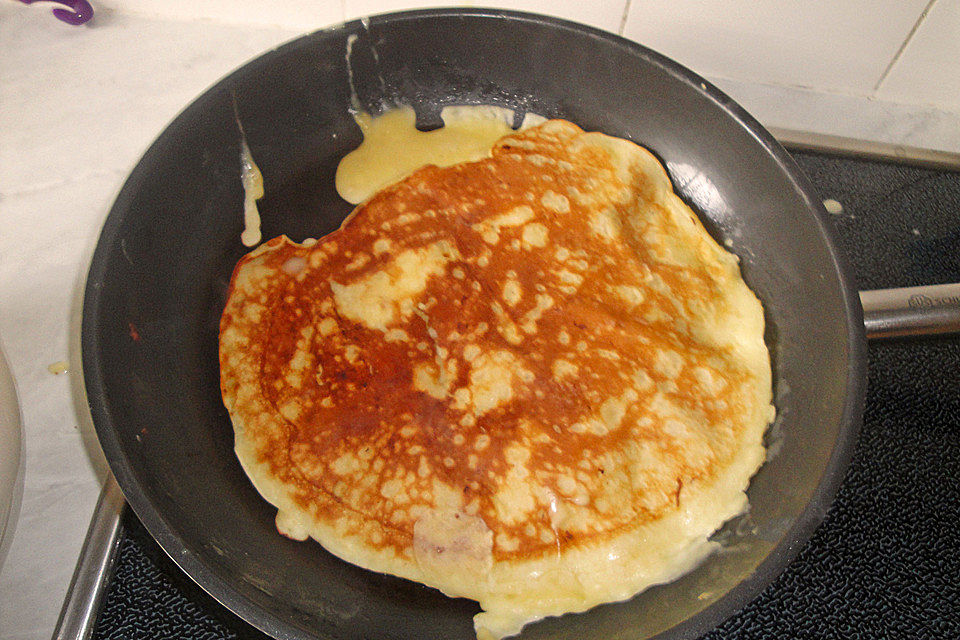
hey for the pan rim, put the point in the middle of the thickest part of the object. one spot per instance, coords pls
(197, 567)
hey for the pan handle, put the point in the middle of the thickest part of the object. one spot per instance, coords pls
(911, 311)
(97, 557)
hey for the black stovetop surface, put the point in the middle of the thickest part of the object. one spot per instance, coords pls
(885, 563)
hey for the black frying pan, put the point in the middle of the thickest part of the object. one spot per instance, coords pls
(159, 276)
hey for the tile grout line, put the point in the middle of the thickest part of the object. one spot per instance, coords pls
(626, 12)
(903, 45)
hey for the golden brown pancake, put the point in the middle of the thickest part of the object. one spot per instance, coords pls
(533, 380)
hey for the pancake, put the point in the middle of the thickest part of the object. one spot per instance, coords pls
(533, 380)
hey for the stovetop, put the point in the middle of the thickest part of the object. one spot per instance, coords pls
(885, 563)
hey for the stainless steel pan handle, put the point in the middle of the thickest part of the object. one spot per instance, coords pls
(912, 311)
(97, 557)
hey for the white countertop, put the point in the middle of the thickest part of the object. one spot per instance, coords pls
(77, 108)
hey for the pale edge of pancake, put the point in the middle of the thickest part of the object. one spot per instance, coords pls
(514, 594)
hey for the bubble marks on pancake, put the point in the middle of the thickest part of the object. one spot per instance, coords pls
(538, 362)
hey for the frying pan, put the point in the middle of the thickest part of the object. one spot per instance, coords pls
(159, 277)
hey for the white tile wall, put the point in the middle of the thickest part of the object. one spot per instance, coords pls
(307, 15)
(303, 15)
(605, 14)
(833, 46)
(830, 47)
(928, 71)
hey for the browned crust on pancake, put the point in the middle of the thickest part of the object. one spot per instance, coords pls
(555, 370)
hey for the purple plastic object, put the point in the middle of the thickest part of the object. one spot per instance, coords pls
(77, 11)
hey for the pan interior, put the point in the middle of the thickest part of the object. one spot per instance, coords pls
(159, 277)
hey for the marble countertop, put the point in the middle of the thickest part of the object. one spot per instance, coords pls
(78, 105)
